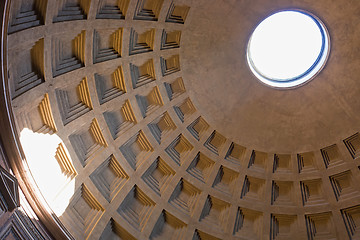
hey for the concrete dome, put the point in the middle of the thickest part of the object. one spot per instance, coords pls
(164, 131)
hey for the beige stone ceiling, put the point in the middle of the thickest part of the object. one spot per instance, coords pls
(234, 102)
(170, 136)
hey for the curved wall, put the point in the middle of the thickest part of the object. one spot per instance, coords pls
(123, 85)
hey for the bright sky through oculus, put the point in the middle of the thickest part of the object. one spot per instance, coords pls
(286, 46)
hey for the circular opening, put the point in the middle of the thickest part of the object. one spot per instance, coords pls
(288, 49)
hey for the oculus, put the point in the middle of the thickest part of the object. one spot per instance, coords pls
(288, 48)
